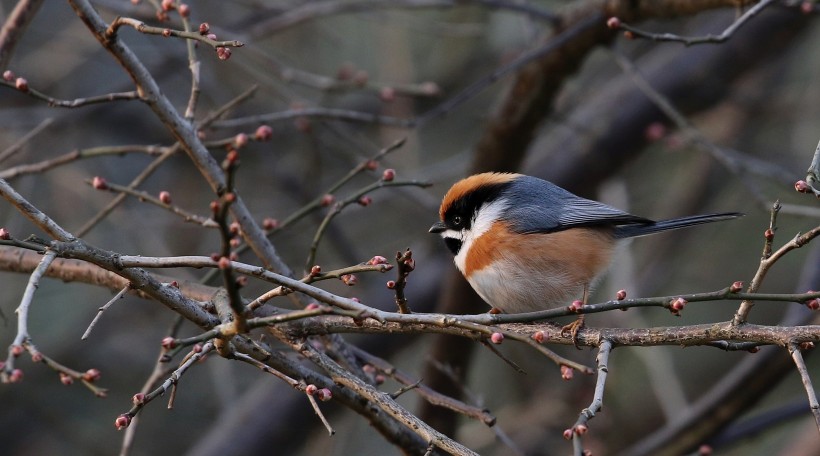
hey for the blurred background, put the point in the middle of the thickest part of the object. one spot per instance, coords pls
(574, 116)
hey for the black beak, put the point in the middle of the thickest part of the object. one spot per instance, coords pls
(438, 227)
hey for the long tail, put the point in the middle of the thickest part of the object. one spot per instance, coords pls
(634, 230)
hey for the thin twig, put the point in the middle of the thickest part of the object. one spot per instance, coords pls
(430, 395)
(141, 27)
(102, 309)
(405, 265)
(799, 240)
(36, 216)
(79, 154)
(172, 380)
(355, 197)
(145, 196)
(15, 26)
(689, 41)
(498, 353)
(321, 415)
(382, 401)
(797, 356)
(18, 145)
(166, 154)
(580, 426)
(77, 102)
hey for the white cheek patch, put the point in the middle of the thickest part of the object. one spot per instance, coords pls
(487, 214)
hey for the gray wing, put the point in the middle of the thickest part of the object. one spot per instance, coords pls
(543, 207)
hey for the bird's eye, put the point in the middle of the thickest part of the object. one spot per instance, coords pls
(457, 220)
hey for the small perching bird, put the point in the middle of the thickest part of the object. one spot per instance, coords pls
(525, 244)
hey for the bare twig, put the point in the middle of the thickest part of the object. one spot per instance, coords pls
(797, 356)
(102, 309)
(406, 264)
(141, 27)
(37, 217)
(354, 198)
(430, 395)
(166, 154)
(688, 41)
(145, 196)
(14, 27)
(18, 145)
(70, 157)
(141, 400)
(382, 401)
(321, 113)
(318, 9)
(580, 426)
(766, 262)
(321, 415)
(22, 336)
(77, 102)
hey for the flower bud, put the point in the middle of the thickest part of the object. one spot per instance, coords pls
(16, 376)
(66, 379)
(311, 389)
(327, 200)
(138, 399)
(122, 421)
(496, 338)
(677, 305)
(21, 84)
(4, 234)
(566, 372)
(387, 94)
(802, 186)
(324, 394)
(99, 183)
(91, 375)
(736, 287)
(538, 336)
(165, 197)
(168, 343)
(270, 223)
(204, 28)
(614, 23)
(620, 295)
(263, 133)
(389, 174)
(377, 259)
(224, 53)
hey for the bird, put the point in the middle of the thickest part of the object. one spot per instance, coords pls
(525, 244)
